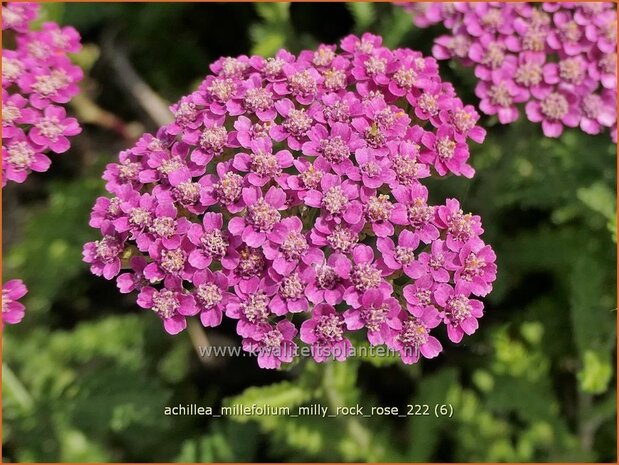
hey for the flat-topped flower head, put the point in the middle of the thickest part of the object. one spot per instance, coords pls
(549, 56)
(37, 79)
(291, 188)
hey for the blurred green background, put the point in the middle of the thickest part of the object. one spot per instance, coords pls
(87, 374)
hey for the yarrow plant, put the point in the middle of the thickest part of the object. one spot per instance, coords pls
(38, 78)
(12, 310)
(287, 195)
(557, 59)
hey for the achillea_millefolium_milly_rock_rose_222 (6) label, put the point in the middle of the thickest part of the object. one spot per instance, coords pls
(288, 195)
(38, 79)
(557, 60)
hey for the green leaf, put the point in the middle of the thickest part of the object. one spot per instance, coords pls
(424, 431)
(363, 13)
(227, 442)
(395, 27)
(593, 323)
(599, 198)
(596, 373)
(284, 394)
(277, 13)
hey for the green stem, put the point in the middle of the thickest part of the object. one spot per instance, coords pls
(334, 398)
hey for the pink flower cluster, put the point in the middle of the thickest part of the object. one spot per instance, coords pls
(560, 58)
(287, 195)
(37, 79)
(12, 310)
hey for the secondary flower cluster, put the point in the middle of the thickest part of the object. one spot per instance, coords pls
(37, 79)
(291, 185)
(12, 310)
(559, 58)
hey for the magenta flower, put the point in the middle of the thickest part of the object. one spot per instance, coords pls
(327, 278)
(165, 229)
(460, 313)
(243, 262)
(210, 241)
(247, 132)
(105, 210)
(378, 211)
(274, 345)
(210, 141)
(414, 70)
(104, 255)
(401, 256)
(250, 306)
(464, 120)
(407, 167)
(170, 263)
(170, 166)
(460, 226)
(262, 165)
(419, 295)
(225, 188)
(54, 81)
(500, 98)
(413, 210)
(137, 215)
(376, 313)
(17, 16)
(334, 147)
(211, 296)
(287, 246)
(15, 112)
(476, 269)
(309, 177)
(135, 280)
(437, 263)
(125, 173)
(172, 305)
(290, 297)
(598, 112)
(262, 215)
(21, 156)
(373, 172)
(554, 110)
(414, 340)
(552, 57)
(325, 333)
(341, 237)
(337, 198)
(51, 130)
(491, 55)
(373, 66)
(12, 310)
(301, 82)
(280, 180)
(256, 100)
(446, 153)
(294, 127)
(365, 274)
(336, 108)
